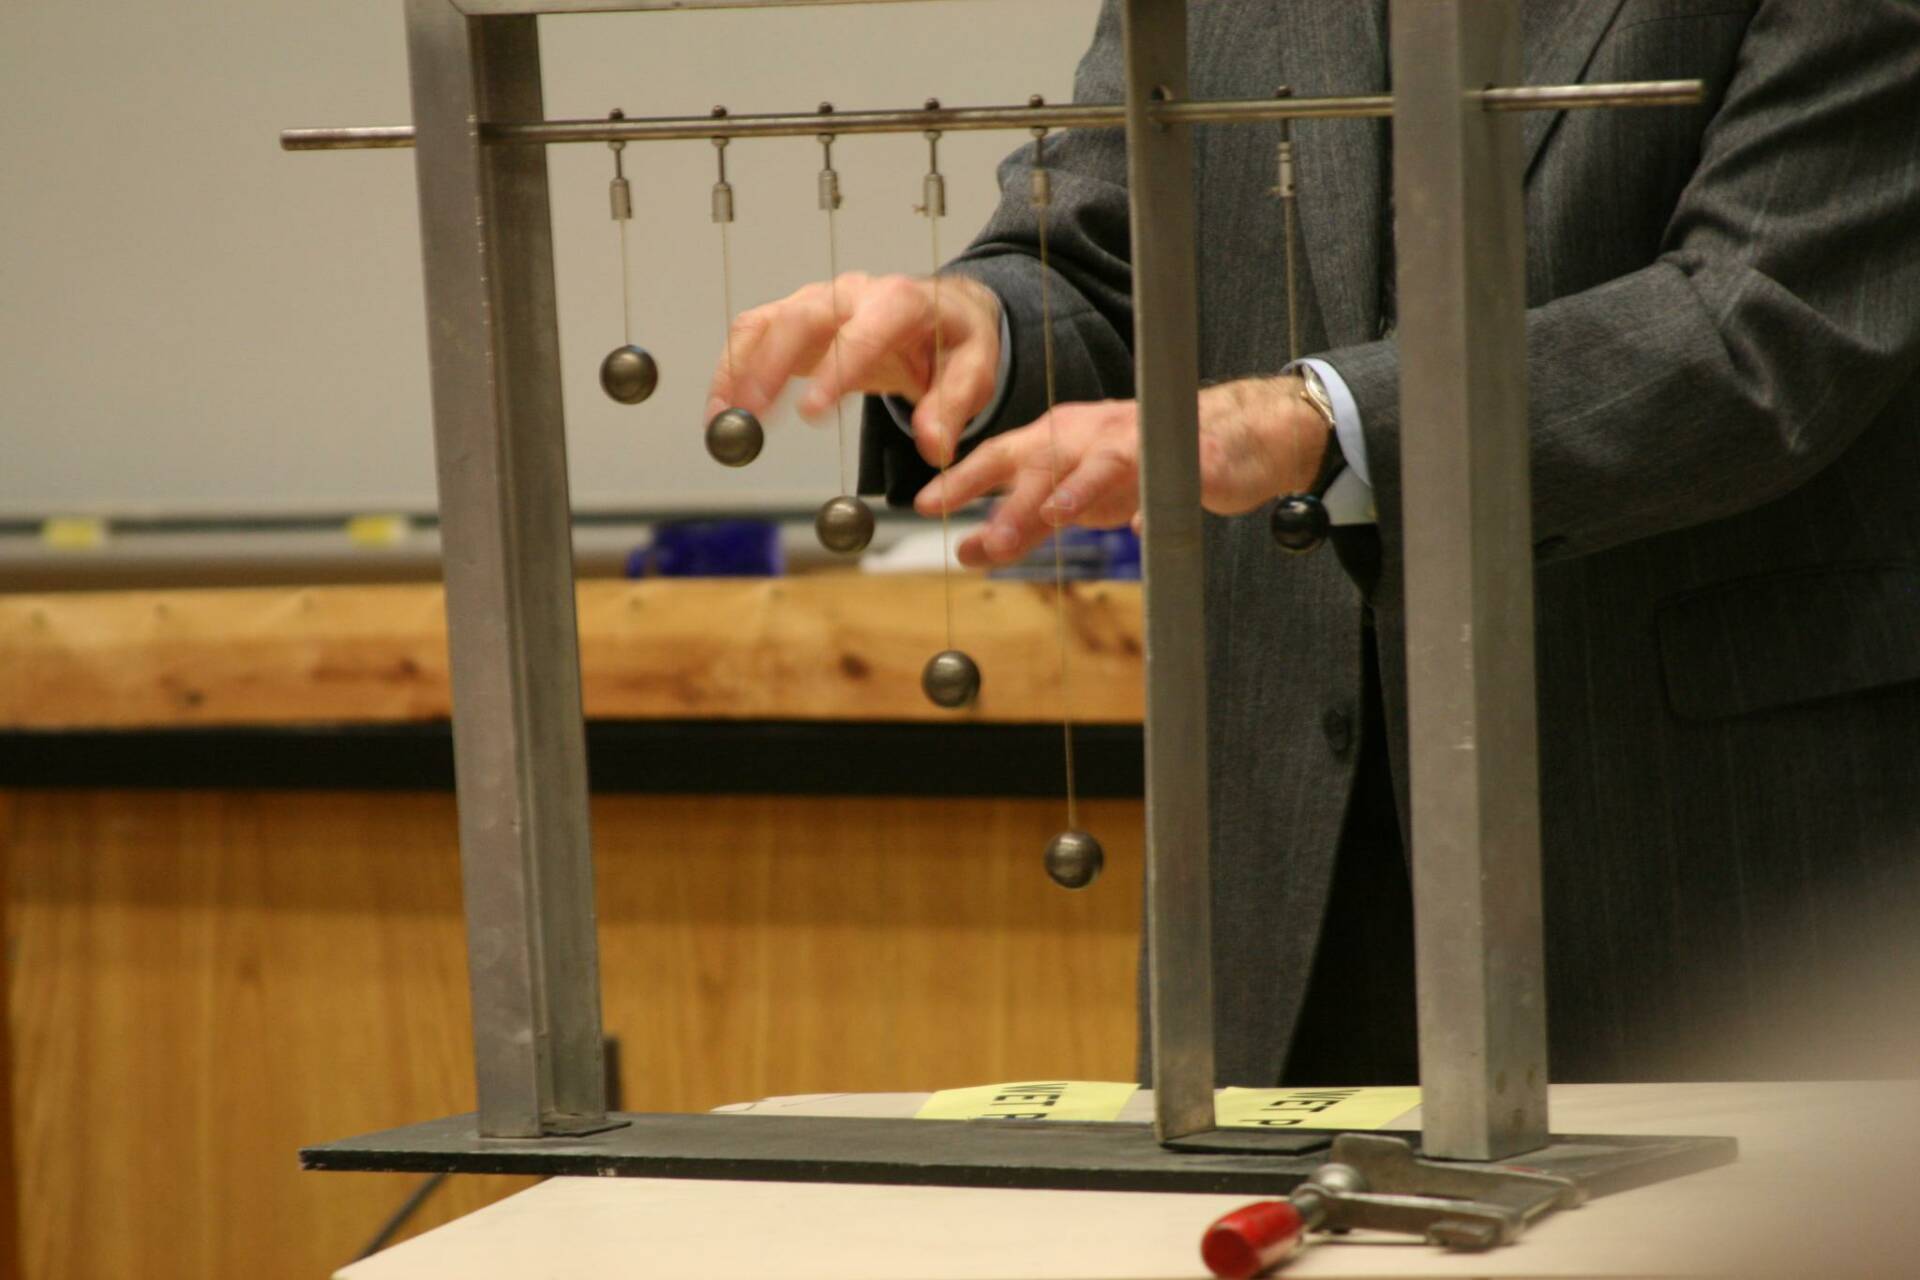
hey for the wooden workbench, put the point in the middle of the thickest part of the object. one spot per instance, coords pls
(1822, 1189)
(206, 977)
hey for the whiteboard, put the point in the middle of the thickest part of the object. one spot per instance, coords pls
(196, 323)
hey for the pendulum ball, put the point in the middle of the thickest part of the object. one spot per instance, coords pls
(950, 679)
(629, 374)
(734, 437)
(844, 524)
(1074, 859)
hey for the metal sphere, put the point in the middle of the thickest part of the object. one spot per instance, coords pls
(1299, 522)
(734, 437)
(844, 524)
(950, 679)
(1074, 859)
(628, 374)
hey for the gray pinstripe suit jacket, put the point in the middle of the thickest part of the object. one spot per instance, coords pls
(1724, 361)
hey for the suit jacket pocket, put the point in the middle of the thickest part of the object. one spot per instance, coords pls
(1757, 643)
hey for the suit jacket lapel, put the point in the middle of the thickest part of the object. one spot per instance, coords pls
(1558, 38)
(1338, 48)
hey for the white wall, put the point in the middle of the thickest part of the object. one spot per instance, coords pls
(192, 321)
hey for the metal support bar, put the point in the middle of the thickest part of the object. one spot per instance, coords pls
(1091, 115)
(1469, 582)
(1166, 354)
(519, 746)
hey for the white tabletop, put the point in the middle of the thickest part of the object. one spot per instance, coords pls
(1823, 1188)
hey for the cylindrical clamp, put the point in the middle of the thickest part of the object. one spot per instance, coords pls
(933, 195)
(620, 198)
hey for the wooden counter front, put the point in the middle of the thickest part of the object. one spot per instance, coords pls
(827, 647)
(203, 980)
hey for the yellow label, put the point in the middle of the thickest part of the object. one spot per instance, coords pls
(1374, 1108)
(74, 533)
(1030, 1100)
(378, 531)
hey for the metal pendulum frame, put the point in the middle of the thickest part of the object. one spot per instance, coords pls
(527, 875)
(519, 744)
(1166, 375)
(1500, 99)
(1469, 582)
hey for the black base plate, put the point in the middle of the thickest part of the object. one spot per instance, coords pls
(1050, 1155)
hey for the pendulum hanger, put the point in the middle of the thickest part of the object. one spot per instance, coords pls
(734, 437)
(951, 678)
(1298, 521)
(933, 203)
(629, 373)
(830, 205)
(1073, 857)
(844, 523)
(620, 202)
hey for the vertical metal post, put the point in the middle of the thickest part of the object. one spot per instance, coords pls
(1469, 575)
(1167, 371)
(520, 751)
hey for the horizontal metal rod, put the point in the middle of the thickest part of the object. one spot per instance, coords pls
(1096, 115)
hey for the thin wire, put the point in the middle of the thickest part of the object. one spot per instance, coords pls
(833, 299)
(946, 453)
(726, 299)
(620, 197)
(1053, 468)
(626, 293)
(1289, 203)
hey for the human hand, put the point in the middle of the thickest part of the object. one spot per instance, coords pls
(886, 327)
(1258, 439)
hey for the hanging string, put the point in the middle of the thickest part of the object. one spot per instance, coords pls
(1042, 190)
(620, 197)
(626, 299)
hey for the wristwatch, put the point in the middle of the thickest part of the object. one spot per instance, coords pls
(1299, 520)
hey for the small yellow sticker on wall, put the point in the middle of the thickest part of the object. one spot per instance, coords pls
(1030, 1100)
(74, 533)
(1374, 1108)
(379, 530)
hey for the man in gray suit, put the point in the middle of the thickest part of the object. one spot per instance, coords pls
(1724, 363)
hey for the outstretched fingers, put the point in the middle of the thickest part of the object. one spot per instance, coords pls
(1015, 527)
(989, 468)
(769, 345)
(880, 324)
(1103, 490)
(962, 386)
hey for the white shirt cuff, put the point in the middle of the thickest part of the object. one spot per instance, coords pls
(1349, 499)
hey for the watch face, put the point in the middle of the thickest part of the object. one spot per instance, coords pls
(1314, 392)
(1334, 461)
